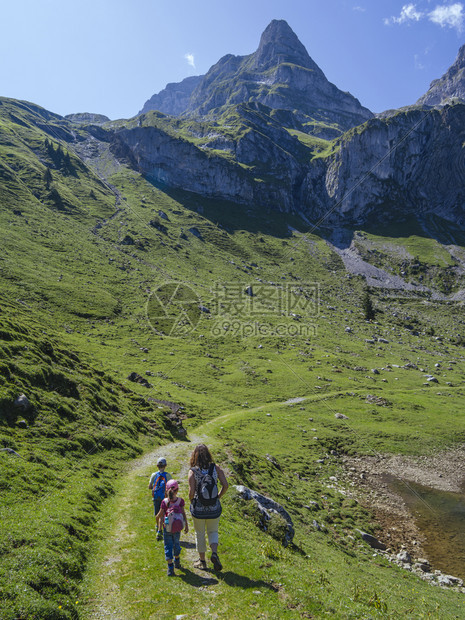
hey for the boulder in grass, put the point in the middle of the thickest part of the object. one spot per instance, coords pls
(312, 505)
(128, 240)
(423, 565)
(136, 378)
(372, 541)
(23, 403)
(268, 508)
(196, 232)
(449, 580)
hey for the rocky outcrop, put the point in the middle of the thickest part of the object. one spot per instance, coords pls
(174, 98)
(178, 163)
(22, 402)
(87, 118)
(136, 378)
(268, 507)
(450, 86)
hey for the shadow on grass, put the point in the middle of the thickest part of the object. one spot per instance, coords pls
(233, 216)
(187, 545)
(241, 581)
(195, 580)
(228, 577)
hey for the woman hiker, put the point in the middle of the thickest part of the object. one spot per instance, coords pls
(205, 503)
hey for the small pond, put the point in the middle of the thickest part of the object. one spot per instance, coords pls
(440, 516)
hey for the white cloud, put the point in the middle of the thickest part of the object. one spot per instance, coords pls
(190, 60)
(417, 62)
(359, 9)
(451, 16)
(408, 13)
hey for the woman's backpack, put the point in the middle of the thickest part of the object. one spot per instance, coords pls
(206, 503)
(175, 517)
(207, 489)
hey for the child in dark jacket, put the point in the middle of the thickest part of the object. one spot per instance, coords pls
(157, 484)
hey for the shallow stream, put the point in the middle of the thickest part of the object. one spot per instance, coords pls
(440, 516)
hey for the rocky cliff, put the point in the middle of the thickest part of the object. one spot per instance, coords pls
(450, 86)
(412, 162)
(247, 166)
(174, 98)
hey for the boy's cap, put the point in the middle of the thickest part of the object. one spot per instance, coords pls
(172, 484)
(161, 461)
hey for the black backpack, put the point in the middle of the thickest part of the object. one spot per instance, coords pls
(207, 489)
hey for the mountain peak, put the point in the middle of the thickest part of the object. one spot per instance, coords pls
(280, 75)
(279, 29)
(450, 86)
(279, 44)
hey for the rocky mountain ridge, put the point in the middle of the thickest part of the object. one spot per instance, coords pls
(174, 98)
(409, 163)
(449, 87)
(279, 74)
(405, 161)
(260, 144)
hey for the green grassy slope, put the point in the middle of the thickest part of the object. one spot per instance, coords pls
(60, 454)
(80, 258)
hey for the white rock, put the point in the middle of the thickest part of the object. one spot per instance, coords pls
(404, 557)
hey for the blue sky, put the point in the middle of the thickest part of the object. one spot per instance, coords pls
(110, 56)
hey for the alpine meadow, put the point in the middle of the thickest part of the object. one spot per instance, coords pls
(257, 262)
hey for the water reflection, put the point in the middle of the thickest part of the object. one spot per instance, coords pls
(440, 516)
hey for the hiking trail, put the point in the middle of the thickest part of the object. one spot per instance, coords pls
(110, 605)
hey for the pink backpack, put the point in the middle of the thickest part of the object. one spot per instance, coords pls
(173, 511)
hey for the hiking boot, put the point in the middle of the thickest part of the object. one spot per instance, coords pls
(200, 564)
(216, 562)
(170, 570)
(177, 563)
(159, 535)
